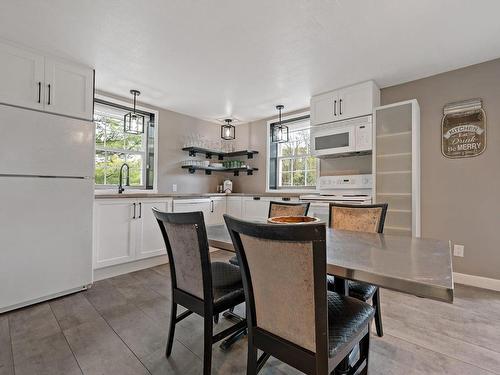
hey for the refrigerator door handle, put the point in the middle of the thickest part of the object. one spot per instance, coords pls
(133, 217)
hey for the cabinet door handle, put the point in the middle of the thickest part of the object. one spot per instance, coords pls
(133, 217)
(286, 199)
(335, 108)
(39, 92)
(256, 198)
(48, 101)
(140, 210)
(211, 206)
(340, 106)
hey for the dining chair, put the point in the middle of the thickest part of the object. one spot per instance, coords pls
(360, 218)
(200, 286)
(290, 314)
(282, 209)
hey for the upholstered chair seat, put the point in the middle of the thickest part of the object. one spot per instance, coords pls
(346, 318)
(226, 284)
(358, 290)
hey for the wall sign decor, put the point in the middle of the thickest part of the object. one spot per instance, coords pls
(463, 129)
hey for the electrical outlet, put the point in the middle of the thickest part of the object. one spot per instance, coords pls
(458, 250)
(174, 187)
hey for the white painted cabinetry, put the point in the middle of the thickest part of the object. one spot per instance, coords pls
(345, 103)
(69, 89)
(126, 230)
(22, 77)
(33, 80)
(213, 208)
(234, 206)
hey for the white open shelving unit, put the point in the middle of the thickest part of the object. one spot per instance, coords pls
(396, 165)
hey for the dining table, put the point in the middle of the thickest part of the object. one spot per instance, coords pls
(417, 266)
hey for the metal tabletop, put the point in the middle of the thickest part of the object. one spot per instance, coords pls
(417, 266)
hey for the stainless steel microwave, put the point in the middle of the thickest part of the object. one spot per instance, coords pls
(342, 137)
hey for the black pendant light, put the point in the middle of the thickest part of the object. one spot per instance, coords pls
(133, 123)
(228, 131)
(279, 132)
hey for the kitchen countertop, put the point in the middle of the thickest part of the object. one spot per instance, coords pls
(132, 195)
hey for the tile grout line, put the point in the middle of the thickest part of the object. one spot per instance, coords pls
(11, 345)
(116, 333)
(443, 354)
(65, 338)
(464, 340)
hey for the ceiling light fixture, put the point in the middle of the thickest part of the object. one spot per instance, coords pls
(228, 131)
(279, 133)
(133, 123)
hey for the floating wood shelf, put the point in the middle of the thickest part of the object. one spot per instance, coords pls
(209, 170)
(221, 155)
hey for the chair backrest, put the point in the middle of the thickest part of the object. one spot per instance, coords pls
(283, 268)
(288, 209)
(188, 252)
(358, 218)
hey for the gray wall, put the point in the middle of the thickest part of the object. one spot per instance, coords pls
(459, 196)
(172, 130)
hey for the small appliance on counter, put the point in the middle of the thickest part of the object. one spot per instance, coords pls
(227, 186)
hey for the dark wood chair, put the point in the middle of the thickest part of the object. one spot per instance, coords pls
(200, 286)
(282, 209)
(290, 314)
(360, 218)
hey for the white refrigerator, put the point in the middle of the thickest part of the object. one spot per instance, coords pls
(46, 200)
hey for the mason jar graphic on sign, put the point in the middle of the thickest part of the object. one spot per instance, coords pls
(463, 129)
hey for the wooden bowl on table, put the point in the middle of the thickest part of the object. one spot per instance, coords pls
(292, 220)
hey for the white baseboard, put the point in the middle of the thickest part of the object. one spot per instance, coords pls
(120, 269)
(477, 281)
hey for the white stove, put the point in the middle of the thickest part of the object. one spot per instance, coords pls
(352, 189)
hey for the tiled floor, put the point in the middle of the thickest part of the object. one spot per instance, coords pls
(119, 327)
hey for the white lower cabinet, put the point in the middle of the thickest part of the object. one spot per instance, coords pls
(149, 238)
(126, 230)
(234, 206)
(213, 208)
(255, 208)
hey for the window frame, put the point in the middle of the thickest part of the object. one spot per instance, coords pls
(299, 189)
(122, 103)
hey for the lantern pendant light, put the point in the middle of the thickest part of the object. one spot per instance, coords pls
(228, 131)
(279, 132)
(133, 123)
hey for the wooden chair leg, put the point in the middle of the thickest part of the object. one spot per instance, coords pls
(207, 344)
(251, 357)
(171, 329)
(378, 313)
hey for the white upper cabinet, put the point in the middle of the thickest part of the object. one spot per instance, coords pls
(69, 89)
(32, 80)
(345, 103)
(323, 108)
(21, 77)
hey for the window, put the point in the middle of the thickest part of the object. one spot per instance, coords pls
(291, 165)
(115, 147)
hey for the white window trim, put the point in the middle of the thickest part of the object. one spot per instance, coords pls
(105, 189)
(268, 145)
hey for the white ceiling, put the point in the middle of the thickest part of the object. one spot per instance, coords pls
(211, 59)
